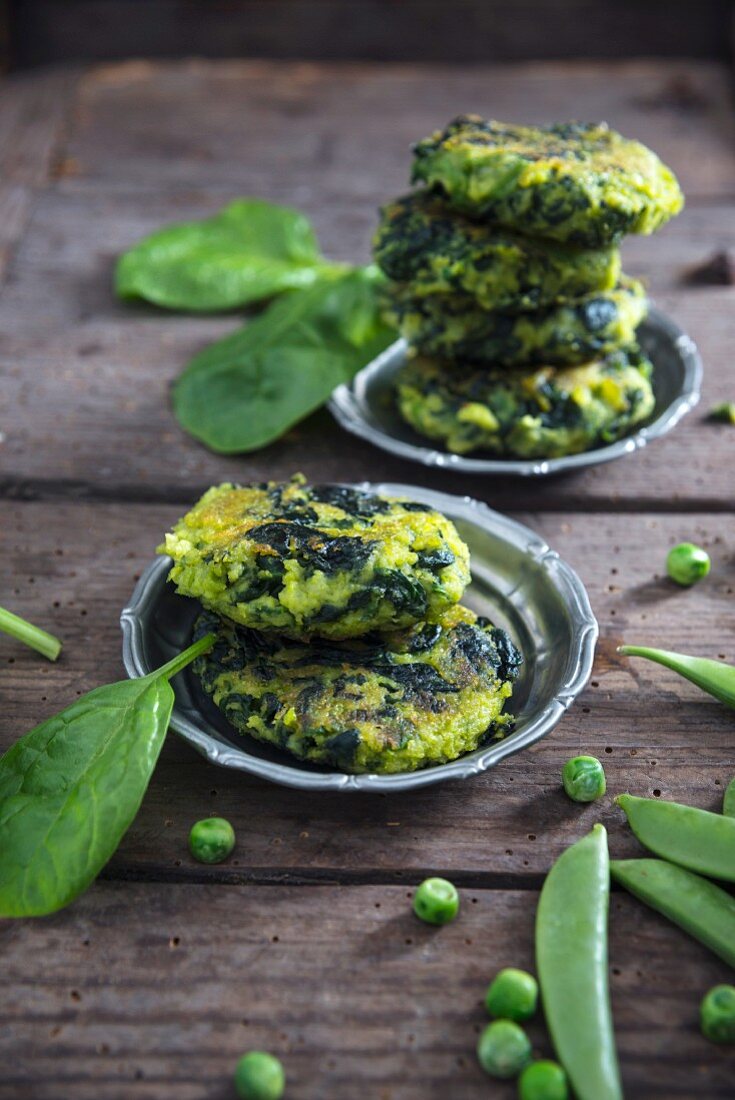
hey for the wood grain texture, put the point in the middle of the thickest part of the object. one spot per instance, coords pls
(84, 391)
(265, 127)
(85, 379)
(34, 112)
(72, 567)
(379, 30)
(303, 942)
(140, 992)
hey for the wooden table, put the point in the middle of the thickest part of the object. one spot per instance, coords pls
(152, 984)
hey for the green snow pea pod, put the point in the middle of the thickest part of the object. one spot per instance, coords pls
(696, 839)
(571, 960)
(70, 788)
(728, 802)
(714, 677)
(702, 909)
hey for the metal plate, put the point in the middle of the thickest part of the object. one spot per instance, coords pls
(517, 581)
(367, 408)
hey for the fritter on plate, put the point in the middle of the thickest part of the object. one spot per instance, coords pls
(387, 703)
(437, 251)
(319, 560)
(543, 413)
(453, 327)
(575, 182)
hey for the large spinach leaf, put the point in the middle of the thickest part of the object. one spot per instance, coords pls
(246, 390)
(251, 250)
(70, 788)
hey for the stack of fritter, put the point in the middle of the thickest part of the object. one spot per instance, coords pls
(505, 279)
(340, 636)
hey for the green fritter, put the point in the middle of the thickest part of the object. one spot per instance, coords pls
(322, 560)
(545, 413)
(580, 183)
(453, 327)
(436, 251)
(388, 703)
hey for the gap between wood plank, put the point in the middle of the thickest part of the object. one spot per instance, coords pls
(39, 490)
(229, 876)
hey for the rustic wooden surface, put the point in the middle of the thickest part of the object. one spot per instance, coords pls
(303, 942)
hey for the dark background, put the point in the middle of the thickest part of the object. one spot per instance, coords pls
(37, 32)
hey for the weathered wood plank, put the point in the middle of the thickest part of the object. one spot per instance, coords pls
(15, 208)
(34, 112)
(146, 991)
(249, 125)
(85, 379)
(79, 367)
(71, 568)
(33, 115)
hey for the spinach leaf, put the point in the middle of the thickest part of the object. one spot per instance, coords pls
(29, 634)
(248, 389)
(251, 250)
(70, 788)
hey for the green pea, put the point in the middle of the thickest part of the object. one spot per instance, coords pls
(436, 901)
(724, 412)
(543, 1080)
(512, 995)
(686, 563)
(584, 778)
(693, 838)
(503, 1049)
(211, 840)
(717, 1014)
(259, 1076)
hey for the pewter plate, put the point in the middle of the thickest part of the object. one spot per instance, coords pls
(366, 407)
(517, 581)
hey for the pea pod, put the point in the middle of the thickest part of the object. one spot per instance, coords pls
(702, 909)
(714, 677)
(693, 838)
(571, 959)
(728, 802)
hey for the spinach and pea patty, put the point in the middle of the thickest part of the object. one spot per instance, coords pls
(321, 560)
(455, 328)
(381, 703)
(580, 183)
(422, 243)
(543, 413)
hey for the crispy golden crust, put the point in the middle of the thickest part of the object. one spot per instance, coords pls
(385, 703)
(455, 328)
(437, 251)
(543, 413)
(580, 183)
(318, 560)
